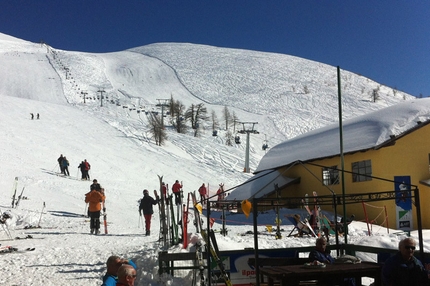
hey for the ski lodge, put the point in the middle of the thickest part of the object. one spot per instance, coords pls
(384, 151)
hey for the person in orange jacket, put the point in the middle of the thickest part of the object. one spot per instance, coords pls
(94, 199)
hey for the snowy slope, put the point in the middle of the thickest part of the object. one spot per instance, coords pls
(35, 78)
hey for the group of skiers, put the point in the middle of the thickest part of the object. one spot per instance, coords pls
(147, 202)
(84, 166)
(96, 197)
(64, 165)
(32, 116)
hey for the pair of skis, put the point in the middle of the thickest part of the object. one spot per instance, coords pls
(316, 213)
(163, 222)
(211, 244)
(10, 249)
(15, 199)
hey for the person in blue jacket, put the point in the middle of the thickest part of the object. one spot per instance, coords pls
(113, 264)
(404, 269)
(320, 253)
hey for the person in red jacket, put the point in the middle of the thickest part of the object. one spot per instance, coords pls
(202, 192)
(94, 200)
(176, 189)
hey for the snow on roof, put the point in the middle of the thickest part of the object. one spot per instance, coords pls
(260, 185)
(360, 133)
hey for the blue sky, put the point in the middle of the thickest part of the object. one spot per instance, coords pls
(387, 41)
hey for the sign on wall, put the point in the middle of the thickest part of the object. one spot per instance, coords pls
(402, 186)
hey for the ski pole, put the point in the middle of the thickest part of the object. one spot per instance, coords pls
(38, 225)
(140, 218)
(85, 210)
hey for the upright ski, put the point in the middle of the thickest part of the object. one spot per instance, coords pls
(185, 223)
(105, 218)
(164, 229)
(19, 198)
(305, 203)
(174, 226)
(278, 234)
(41, 213)
(15, 185)
(214, 252)
(317, 214)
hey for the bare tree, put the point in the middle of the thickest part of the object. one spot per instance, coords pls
(156, 128)
(214, 120)
(375, 94)
(235, 120)
(178, 116)
(227, 117)
(195, 114)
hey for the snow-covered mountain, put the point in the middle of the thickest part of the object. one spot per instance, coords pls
(286, 95)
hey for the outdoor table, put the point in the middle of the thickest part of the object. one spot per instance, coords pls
(293, 274)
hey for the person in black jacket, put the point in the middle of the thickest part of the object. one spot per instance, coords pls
(146, 204)
(404, 269)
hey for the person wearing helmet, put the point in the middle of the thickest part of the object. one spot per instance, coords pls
(145, 206)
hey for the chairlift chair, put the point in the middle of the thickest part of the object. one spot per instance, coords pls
(237, 139)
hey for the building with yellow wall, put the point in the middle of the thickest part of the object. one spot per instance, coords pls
(383, 151)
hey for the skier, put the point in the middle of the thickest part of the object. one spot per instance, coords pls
(113, 263)
(82, 168)
(32, 116)
(146, 204)
(95, 186)
(38, 117)
(60, 163)
(95, 198)
(65, 164)
(176, 189)
(202, 192)
(85, 167)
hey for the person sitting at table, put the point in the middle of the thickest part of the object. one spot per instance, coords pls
(404, 269)
(322, 254)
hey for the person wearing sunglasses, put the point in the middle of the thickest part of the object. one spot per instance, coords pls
(404, 269)
(126, 275)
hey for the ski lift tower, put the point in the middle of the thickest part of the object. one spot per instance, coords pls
(248, 131)
(101, 96)
(162, 103)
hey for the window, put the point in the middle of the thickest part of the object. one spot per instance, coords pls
(361, 171)
(330, 175)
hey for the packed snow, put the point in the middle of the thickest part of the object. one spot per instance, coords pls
(124, 158)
